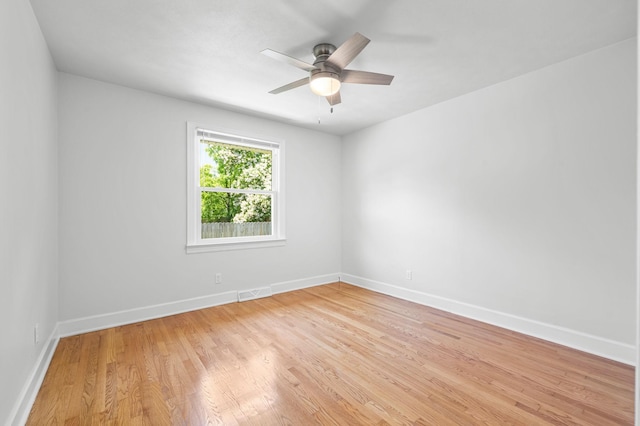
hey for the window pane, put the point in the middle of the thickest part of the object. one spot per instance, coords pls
(224, 165)
(225, 214)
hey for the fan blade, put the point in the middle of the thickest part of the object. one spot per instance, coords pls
(365, 77)
(347, 51)
(290, 86)
(288, 59)
(334, 99)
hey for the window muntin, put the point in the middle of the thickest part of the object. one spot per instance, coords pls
(235, 190)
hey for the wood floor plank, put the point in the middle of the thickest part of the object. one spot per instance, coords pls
(332, 354)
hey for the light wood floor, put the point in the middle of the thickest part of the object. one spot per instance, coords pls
(333, 354)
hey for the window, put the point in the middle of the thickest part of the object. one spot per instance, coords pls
(235, 196)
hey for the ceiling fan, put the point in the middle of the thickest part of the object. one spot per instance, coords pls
(328, 70)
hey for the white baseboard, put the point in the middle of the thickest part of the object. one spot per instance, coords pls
(22, 408)
(285, 286)
(130, 316)
(610, 349)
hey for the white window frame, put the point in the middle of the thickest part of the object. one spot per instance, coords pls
(196, 244)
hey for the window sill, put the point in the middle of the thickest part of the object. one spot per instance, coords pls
(234, 245)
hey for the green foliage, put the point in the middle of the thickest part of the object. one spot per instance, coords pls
(216, 206)
(237, 168)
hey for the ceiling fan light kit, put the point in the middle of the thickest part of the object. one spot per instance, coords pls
(328, 72)
(324, 83)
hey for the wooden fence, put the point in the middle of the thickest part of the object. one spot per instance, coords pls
(230, 229)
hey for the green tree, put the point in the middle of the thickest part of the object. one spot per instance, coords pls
(217, 206)
(238, 168)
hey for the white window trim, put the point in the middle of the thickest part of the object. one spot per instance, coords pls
(195, 244)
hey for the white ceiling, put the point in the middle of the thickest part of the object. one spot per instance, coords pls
(208, 51)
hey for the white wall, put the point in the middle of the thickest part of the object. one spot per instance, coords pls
(637, 405)
(123, 203)
(518, 198)
(28, 198)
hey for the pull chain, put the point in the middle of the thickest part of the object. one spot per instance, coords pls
(320, 108)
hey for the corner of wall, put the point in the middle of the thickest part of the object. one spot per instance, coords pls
(27, 396)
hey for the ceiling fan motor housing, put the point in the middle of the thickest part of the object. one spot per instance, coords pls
(323, 51)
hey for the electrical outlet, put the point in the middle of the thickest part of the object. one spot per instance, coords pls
(218, 278)
(36, 334)
(408, 274)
